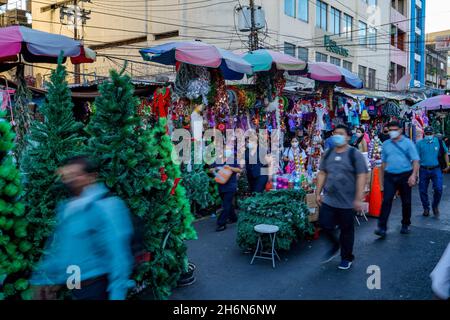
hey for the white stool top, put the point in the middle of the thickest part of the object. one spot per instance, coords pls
(266, 228)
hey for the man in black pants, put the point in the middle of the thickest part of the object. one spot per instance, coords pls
(256, 166)
(342, 177)
(399, 171)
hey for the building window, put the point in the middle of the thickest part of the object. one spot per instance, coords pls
(347, 65)
(401, 40)
(399, 5)
(335, 21)
(297, 9)
(418, 17)
(348, 26)
(372, 38)
(392, 73)
(416, 70)
(303, 54)
(372, 78)
(320, 57)
(362, 33)
(289, 49)
(401, 71)
(362, 73)
(335, 61)
(418, 45)
(393, 35)
(321, 15)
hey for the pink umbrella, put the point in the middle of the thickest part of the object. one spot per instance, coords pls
(35, 46)
(435, 103)
(328, 72)
(191, 52)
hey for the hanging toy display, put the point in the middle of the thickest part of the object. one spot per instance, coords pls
(192, 82)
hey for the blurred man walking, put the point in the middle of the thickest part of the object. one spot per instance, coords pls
(93, 236)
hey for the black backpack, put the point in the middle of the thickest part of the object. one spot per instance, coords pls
(441, 157)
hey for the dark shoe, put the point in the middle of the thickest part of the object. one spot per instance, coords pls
(231, 221)
(381, 233)
(345, 265)
(405, 229)
(436, 212)
(221, 228)
(333, 253)
(426, 213)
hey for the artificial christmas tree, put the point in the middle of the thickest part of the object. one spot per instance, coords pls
(49, 144)
(22, 117)
(135, 163)
(14, 247)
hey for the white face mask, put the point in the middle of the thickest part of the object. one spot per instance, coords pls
(394, 134)
(294, 144)
(359, 134)
(250, 145)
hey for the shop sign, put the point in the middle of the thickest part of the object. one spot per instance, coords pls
(332, 46)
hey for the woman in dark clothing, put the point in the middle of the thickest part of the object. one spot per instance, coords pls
(256, 167)
(227, 190)
(360, 143)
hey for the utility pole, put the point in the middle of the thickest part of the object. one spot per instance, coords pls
(75, 36)
(253, 37)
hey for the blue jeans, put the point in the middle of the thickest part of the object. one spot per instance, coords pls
(435, 175)
(228, 208)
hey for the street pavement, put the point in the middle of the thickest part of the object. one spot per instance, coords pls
(405, 262)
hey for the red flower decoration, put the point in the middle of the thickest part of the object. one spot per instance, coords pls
(164, 176)
(221, 127)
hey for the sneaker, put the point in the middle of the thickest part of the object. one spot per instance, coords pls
(405, 229)
(436, 212)
(333, 253)
(345, 265)
(221, 228)
(426, 213)
(381, 233)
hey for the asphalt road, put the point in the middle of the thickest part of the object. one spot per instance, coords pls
(405, 262)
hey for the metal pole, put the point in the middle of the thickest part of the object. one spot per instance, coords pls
(253, 38)
(75, 36)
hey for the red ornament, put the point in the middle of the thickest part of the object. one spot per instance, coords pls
(164, 176)
(175, 185)
(221, 127)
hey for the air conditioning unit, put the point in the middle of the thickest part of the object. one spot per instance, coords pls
(245, 18)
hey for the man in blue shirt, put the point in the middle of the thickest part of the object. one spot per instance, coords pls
(93, 235)
(399, 171)
(429, 152)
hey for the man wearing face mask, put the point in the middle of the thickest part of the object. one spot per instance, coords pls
(93, 232)
(342, 177)
(430, 169)
(228, 189)
(399, 171)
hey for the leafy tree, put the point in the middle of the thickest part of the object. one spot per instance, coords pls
(50, 142)
(135, 162)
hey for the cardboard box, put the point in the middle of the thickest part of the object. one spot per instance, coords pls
(311, 200)
(313, 207)
(313, 215)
